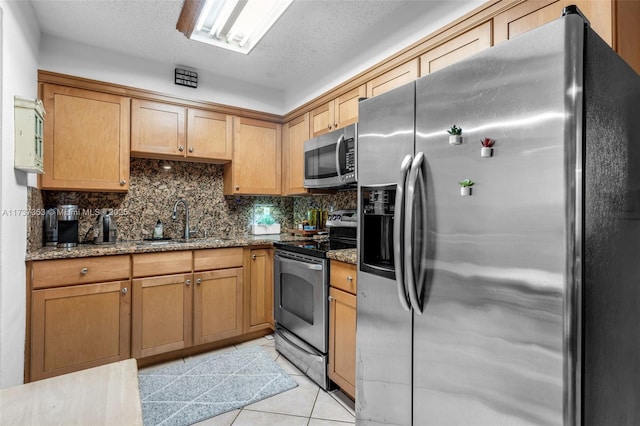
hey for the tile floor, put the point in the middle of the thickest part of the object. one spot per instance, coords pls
(305, 405)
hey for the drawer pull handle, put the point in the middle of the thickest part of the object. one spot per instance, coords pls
(84, 271)
(181, 148)
(349, 278)
(188, 282)
(190, 149)
(198, 281)
(125, 290)
(253, 257)
(123, 182)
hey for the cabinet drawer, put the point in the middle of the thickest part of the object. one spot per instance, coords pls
(343, 276)
(61, 272)
(221, 258)
(174, 262)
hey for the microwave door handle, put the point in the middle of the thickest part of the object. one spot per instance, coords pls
(338, 145)
(300, 263)
(398, 229)
(409, 226)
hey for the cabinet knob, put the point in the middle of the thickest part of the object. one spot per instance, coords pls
(188, 282)
(190, 149)
(198, 281)
(237, 188)
(123, 182)
(253, 257)
(329, 126)
(349, 278)
(181, 148)
(330, 298)
(84, 271)
(124, 290)
(335, 125)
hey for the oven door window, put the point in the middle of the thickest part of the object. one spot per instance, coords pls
(320, 163)
(297, 297)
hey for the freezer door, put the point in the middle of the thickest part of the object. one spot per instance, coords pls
(492, 346)
(383, 335)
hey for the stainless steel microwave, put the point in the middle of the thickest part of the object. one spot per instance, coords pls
(330, 159)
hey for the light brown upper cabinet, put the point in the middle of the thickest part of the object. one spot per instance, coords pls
(294, 134)
(616, 21)
(338, 113)
(255, 167)
(86, 140)
(456, 49)
(160, 130)
(396, 77)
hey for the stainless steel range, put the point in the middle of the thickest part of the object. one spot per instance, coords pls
(301, 305)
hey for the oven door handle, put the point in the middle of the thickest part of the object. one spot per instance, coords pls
(300, 263)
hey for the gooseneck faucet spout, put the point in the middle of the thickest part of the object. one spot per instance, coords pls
(174, 215)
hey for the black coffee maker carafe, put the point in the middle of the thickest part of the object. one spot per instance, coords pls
(68, 215)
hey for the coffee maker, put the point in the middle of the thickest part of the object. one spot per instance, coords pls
(68, 215)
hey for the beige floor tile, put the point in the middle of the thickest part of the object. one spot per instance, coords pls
(320, 422)
(224, 419)
(298, 401)
(259, 418)
(327, 408)
(344, 400)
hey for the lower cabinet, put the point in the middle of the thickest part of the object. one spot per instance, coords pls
(342, 326)
(78, 327)
(259, 292)
(86, 312)
(217, 305)
(176, 311)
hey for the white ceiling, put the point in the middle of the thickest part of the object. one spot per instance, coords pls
(315, 44)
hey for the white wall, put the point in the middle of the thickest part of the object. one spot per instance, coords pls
(20, 37)
(78, 59)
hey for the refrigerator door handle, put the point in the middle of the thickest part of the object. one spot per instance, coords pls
(398, 230)
(409, 225)
(338, 145)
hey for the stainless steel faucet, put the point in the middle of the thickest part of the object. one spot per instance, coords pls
(174, 216)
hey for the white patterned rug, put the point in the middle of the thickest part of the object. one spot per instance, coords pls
(203, 387)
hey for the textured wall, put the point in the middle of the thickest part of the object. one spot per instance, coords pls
(153, 192)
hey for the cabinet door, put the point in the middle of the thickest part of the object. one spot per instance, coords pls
(78, 327)
(322, 119)
(342, 340)
(161, 320)
(255, 168)
(86, 140)
(533, 13)
(217, 305)
(259, 293)
(296, 132)
(346, 107)
(456, 49)
(157, 129)
(209, 135)
(396, 77)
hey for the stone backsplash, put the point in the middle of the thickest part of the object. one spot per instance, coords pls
(153, 192)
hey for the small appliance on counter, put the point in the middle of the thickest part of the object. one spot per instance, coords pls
(68, 215)
(105, 230)
(50, 227)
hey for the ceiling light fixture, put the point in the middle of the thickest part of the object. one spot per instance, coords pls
(237, 25)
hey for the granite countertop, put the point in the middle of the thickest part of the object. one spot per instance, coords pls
(345, 255)
(131, 247)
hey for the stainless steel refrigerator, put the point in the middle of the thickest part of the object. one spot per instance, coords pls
(519, 303)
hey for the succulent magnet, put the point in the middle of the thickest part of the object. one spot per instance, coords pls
(487, 147)
(455, 135)
(465, 187)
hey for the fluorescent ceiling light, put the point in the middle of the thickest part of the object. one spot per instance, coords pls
(237, 25)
